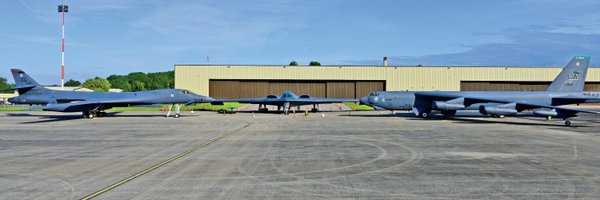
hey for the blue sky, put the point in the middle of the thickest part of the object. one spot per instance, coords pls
(117, 37)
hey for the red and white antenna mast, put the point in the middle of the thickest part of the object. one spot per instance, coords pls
(62, 9)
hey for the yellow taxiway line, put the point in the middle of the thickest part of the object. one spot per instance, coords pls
(162, 163)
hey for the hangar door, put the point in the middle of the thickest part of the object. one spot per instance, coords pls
(515, 86)
(314, 88)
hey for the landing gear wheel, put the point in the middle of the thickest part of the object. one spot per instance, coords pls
(177, 115)
(567, 123)
(501, 116)
(314, 110)
(91, 116)
(424, 114)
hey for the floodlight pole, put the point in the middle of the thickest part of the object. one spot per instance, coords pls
(62, 9)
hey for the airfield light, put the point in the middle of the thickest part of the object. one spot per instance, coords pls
(62, 9)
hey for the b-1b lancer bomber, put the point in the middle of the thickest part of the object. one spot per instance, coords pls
(93, 104)
(567, 88)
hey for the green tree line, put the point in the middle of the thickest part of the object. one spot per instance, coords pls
(5, 86)
(132, 82)
(140, 81)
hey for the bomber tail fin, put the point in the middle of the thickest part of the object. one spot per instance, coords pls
(572, 77)
(23, 82)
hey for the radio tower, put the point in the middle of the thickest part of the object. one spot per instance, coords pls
(62, 9)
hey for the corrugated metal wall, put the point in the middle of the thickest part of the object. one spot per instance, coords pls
(249, 89)
(262, 88)
(363, 88)
(341, 89)
(592, 86)
(516, 86)
(196, 77)
(224, 89)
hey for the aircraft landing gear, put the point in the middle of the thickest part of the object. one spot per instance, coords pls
(424, 114)
(286, 108)
(177, 108)
(263, 108)
(91, 114)
(314, 109)
(88, 115)
(567, 122)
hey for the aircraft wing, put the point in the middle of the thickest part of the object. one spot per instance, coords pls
(247, 100)
(278, 100)
(559, 109)
(435, 96)
(322, 100)
(424, 99)
(77, 106)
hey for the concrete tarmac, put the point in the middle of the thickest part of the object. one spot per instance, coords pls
(343, 155)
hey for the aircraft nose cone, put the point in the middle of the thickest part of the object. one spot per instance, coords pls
(364, 100)
(209, 99)
(201, 99)
(12, 100)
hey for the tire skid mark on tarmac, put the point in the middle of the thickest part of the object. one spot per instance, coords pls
(414, 158)
(383, 154)
(164, 162)
(218, 180)
(570, 187)
(64, 184)
(242, 170)
(223, 172)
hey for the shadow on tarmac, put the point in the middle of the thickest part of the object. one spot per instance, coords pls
(58, 118)
(275, 112)
(472, 119)
(46, 118)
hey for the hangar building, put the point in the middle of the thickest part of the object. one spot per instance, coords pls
(342, 81)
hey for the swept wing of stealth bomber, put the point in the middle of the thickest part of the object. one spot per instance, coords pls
(287, 100)
(93, 104)
(567, 88)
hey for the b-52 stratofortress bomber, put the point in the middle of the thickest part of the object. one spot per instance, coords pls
(94, 104)
(567, 88)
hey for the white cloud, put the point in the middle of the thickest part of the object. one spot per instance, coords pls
(204, 24)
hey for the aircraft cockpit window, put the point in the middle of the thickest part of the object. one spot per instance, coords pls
(187, 92)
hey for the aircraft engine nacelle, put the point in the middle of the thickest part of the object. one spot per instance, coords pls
(545, 113)
(305, 96)
(552, 113)
(494, 110)
(442, 105)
